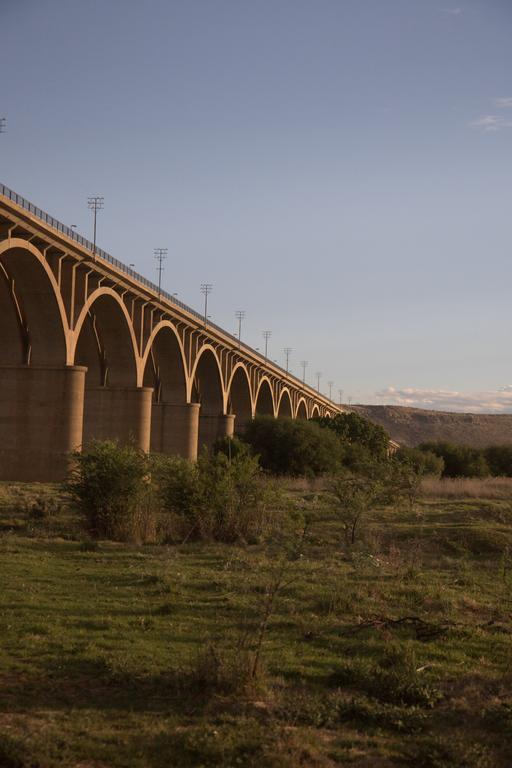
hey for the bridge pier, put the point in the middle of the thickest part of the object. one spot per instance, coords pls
(40, 421)
(118, 413)
(175, 428)
(212, 426)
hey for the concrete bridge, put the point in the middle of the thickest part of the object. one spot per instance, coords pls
(90, 349)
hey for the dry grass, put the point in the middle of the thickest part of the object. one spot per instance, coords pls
(468, 488)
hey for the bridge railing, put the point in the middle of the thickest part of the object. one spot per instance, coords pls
(83, 241)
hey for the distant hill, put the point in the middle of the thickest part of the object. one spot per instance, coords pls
(410, 426)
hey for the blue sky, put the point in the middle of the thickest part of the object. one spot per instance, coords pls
(339, 169)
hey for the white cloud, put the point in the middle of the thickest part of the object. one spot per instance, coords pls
(491, 123)
(447, 400)
(504, 102)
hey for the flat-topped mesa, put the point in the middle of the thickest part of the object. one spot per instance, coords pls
(89, 349)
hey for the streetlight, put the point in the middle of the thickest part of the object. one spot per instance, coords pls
(95, 204)
(266, 335)
(304, 365)
(287, 351)
(240, 315)
(206, 289)
(318, 375)
(160, 255)
(330, 384)
(340, 393)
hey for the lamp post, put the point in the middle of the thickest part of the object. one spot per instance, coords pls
(160, 256)
(318, 375)
(287, 351)
(95, 204)
(330, 384)
(304, 365)
(266, 335)
(206, 289)
(240, 315)
(340, 393)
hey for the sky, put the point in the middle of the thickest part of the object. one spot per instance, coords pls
(338, 169)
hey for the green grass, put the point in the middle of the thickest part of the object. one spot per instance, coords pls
(119, 655)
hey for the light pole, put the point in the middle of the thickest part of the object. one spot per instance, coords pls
(304, 365)
(160, 255)
(95, 204)
(266, 335)
(318, 375)
(340, 393)
(287, 351)
(330, 384)
(240, 315)
(206, 289)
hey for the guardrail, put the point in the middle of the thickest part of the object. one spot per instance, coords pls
(83, 241)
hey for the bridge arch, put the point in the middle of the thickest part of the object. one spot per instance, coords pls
(240, 397)
(115, 406)
(104, 341)
(41, 395)
(206, 386)
(34, 328)
(264, 400)
(315, 412)
(284, 407)
(164, 370)
(164, 366)
(301, 410)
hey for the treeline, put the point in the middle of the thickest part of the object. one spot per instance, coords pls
(310, 448)
(446, 459)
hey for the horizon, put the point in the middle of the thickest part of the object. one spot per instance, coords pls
(347, 189)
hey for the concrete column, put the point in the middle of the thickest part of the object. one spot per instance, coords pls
(41, 412)
(215, 425)
(118, 413)
(175, 429)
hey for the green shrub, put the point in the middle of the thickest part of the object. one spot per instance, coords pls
(499, 459)
(293, 447)
(232, 447)
(424, 463)
(459, 460)
(110, 486)
(218, 499)
(352, 428)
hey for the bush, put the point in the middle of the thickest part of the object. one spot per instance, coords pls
(353, 428)
(459, 460)
(293, 447)
(232, 447)
(424, 463)
(499, 459)
(217, 498)
(109, 485)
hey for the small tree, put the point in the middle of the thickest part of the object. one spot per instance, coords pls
(424, 463)
(293, 447)
(499, 459)
(218, 498)
(352, 428)
(356, 494)
(109, 484)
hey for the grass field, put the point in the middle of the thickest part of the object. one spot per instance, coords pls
(397, 652)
